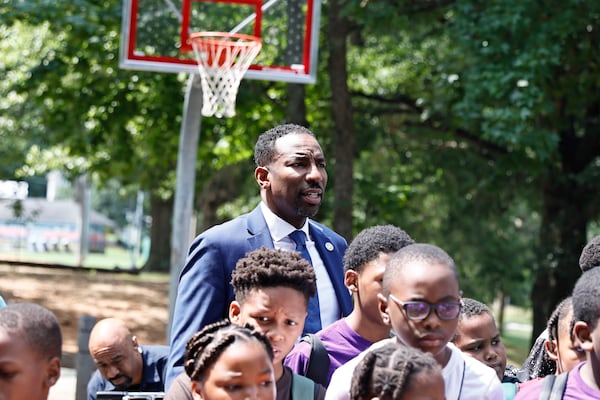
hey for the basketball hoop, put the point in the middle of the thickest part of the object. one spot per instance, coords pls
(223, 59)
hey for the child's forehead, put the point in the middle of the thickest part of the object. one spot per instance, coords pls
(14, 347)
(423, 275)
(478, 321)
(273, 294)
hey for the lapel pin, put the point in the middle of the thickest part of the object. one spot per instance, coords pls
(329, 246)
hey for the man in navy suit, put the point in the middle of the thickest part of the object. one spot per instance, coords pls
(290, 170)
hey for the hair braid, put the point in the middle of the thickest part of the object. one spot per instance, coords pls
(557, 318)
(386, 372)
(205, 347)
(363, 376)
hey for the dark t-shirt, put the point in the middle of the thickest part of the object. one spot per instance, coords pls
(181, 388)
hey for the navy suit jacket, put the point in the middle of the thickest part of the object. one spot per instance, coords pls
(205, 292)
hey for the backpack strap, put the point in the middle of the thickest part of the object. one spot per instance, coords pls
(317, 367)
(546, 390)
(510, 390)
(303, 388)
(553, 387)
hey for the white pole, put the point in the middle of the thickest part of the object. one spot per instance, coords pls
(184, 186)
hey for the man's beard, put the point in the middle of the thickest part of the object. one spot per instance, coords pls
(126, 383)
(306, 212)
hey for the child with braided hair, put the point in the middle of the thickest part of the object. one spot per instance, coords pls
(555, 353)
(397, 372)
(229, 362)
(559, 345)
(583, 380)
(272, 288)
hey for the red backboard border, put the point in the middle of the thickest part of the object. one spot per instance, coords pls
(305, 73)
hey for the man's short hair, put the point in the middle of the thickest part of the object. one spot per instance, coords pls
(371, 242)
(263, 268)
(36, 325)
(590, 255)
(586, 298)
(418, 252)
(264, 149)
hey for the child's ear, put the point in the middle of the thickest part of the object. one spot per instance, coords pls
(382, 303)
(196, 391)
(52, 371)
(234, 312)
(351, 280)
(551, 349)
(582, 336)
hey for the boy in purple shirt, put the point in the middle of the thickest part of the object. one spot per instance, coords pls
(364, 264)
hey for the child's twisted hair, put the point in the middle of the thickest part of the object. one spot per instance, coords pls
(205, 347)
(386, 372)
(562, 310)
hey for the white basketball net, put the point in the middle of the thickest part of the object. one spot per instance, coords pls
(223, 59)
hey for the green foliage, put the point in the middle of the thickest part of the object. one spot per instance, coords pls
(465, 114)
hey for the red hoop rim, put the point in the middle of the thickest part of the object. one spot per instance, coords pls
(224, 38)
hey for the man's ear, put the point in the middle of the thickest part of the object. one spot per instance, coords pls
(382, 303)
(551, 349)
(582, 336)
(52, 371)
(351, 280)
(234, 312)
(261, 174)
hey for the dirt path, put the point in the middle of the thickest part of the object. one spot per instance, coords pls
(70, 294)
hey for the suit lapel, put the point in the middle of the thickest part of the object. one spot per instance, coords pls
(258, 231)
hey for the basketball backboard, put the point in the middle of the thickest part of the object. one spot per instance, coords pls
(155, 34)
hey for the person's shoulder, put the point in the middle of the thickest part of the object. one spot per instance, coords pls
(216, 231)
(297, 358)
(529, 389)
(180, 388)
(333, 330)
(479, 370)
(326, 231)
(476, 376)
(156, 351)
(347, 368)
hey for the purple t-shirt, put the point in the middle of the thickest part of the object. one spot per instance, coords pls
(576, 388)
(341, 342)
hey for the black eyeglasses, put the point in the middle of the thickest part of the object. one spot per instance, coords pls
(420, 310)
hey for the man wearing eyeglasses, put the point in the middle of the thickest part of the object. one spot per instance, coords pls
(421, 301)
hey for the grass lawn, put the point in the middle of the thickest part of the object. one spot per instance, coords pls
(113, 258)
(517, 334)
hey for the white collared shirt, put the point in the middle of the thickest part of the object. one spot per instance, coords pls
(280, 229)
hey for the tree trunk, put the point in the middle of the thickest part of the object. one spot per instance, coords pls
(160, 233)
(562, 236)
(343, 119)
(296, 105)
(500, 311)
(225, 185)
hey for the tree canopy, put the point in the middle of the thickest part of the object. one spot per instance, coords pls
(474, 124)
